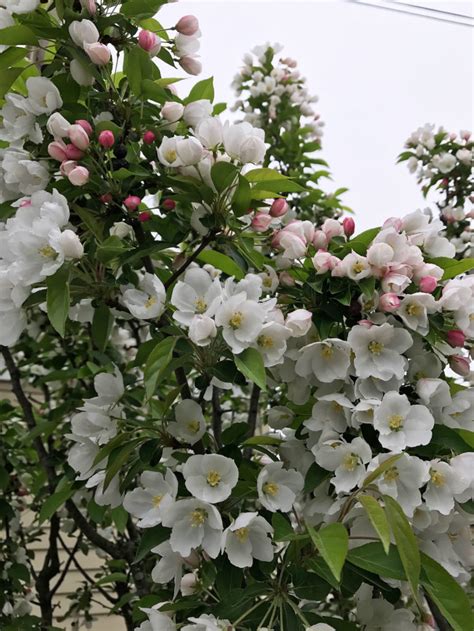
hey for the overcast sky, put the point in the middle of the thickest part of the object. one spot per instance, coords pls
(379, 75)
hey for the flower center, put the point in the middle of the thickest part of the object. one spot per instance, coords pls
(265, 341)
(375, 347)
(391, 474)
(242, 534)
(198, 517)
(48, 252)
(267, 281)
(150, 302)
(213, 478)
(413, 310)
(201, 305)
(171, 155)
(437, 478)
(395, 422)
(193, 426)
(337, 407)
(357, 268)
(350, 462)
(156, 500)
(236, 319)
(270, 488)
(327, 351)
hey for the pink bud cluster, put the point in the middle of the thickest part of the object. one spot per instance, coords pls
(69, 153)
(262, 220)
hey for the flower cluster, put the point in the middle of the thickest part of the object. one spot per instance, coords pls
(443, 161)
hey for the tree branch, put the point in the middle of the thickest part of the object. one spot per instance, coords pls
(204, 243)
(252, 417)
(217, 416)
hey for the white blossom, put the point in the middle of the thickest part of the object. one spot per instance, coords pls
(210, 477)
(247, 539)
(278, 487)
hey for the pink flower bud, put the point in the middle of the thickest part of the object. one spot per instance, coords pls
(349, 226)
(460, 365)
(67, 166)
(57, 150)
(106, 139)
(456, 338)
(428, 284)
(149, 137)
(132, 202)
(86, 126)
(78, 176)
(190, 64)
(106, 198)
(320, 240)
(89, 5)
(168, 204)
(172, 111)
(261, 222)
(389, 302)
(149, 42)
(144, 216)
(465, 134)
(393, 222)
(73, 152)
(286, 279)
(78, 136)
(279, 208)
(25, 202)
(98, 53)
(187, 25)
(367, 323)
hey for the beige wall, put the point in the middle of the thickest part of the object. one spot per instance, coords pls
(90, 563)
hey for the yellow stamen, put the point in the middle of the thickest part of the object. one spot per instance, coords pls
(171, 155)
(327, 351)
(437, 478)
(265, 341)
(350, 462)
(235, 321)
(156, 500)
(391, 474)
(242, 534)
(395, 422)
(48, 252)
(150, 302)
(413, 310)
(357, 268)
(193, 426)
(213, 478)
(201, 305)
(198, 517)
(375, 347)
(270, 488)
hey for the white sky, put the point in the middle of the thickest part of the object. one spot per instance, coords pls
(379, 75)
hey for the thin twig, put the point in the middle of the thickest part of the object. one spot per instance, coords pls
(252, 417)
(217, 416)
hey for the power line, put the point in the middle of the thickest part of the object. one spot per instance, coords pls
(418, 11)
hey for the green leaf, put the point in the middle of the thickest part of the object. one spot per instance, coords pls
(152, 90)
(202, 90)
(373, 558)
(250, 364)
(10, 56)
(262, 440)
(278, 186)
(447, 594)
(157, 361)
(361, 242)
(110, 249)
(406, 542)
(377, 518)
(53, 502)
(57, 299)
(223, 174)
(137, 66)
(453, 267)
(332, 542)
(7, 78)
(141, 8)
(264, 175)
(102, 324)
(222, 262)
(116, 460)
(151, 537)
(282, 528)
(115, 577)
(242, 197)
(17, 34)
(385, 466)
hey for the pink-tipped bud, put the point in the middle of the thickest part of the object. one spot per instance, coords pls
(149, 41)
(106, 198)
(320, 240)
(349, 226)
(456, 338)
(428, 284)
(98, 53)
(286, 279)
(73, 152)
(279, 208)
(132, 202)
(144, 216)
(168, 204)
(78, 176)
(190, 64)
(465, 134)
(57, 150)
(261, 222)
(367, 323)
(67, 166)
(25, 202)
(89, 5)
(106, 139)
(86, 126)
(445, 182)
(188, 25)
(389, 302)
(460, 365)
(149, 137)
(78, 136)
